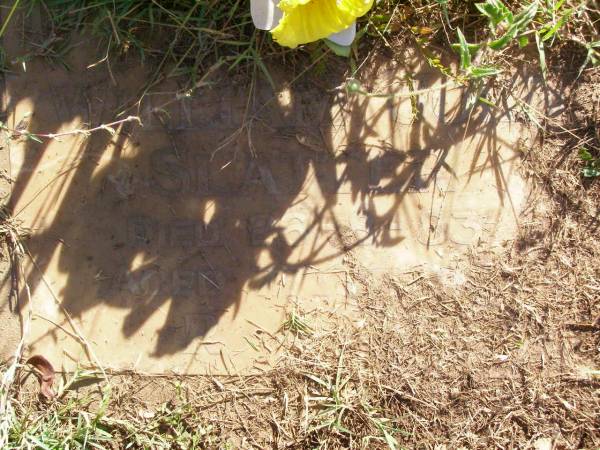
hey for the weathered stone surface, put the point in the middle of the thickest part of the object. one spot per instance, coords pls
(174, 248)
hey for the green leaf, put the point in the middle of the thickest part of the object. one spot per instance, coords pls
(9, 16)
(585, 155)
(261, 65)
(485, 101)
(39, 443)
(499, 44)
(464, 50)
(340, 50)
(520, 23)
(542, 55)
(590, 58)
(390, 440)
(482, 72)
(558, 25)
(526, 16)
(341, 428)
(523, 41)
(495, 11)
(353, 86)
(318, 380)
(380, 18)
(33, 137)
(590, 172)
(473, 48)
(558, 5)
(444, 5)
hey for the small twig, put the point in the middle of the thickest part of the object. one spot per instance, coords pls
(74, 336)
(107, 127)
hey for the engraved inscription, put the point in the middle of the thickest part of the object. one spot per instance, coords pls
(143, 231)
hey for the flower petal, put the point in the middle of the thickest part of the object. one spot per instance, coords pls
(344, 37)
(310, 20)
(265, 14)
(287, 5)
(356, 8)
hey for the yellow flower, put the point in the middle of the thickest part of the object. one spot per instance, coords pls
(296, 22)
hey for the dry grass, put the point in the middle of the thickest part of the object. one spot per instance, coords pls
(506, 360)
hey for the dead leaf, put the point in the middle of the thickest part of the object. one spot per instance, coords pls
(45, 373)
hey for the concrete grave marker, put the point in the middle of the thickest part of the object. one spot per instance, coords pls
(170, 252)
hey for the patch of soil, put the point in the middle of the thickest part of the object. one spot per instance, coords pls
(585, 101)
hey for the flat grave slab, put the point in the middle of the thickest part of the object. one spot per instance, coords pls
(181, 245)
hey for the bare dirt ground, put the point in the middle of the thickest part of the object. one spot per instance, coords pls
(497, 347)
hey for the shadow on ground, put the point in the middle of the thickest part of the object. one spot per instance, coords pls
(230, 191)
